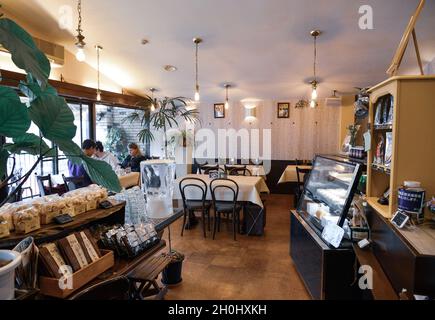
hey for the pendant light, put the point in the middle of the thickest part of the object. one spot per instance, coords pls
(227, 103)
(314, 83)
(196, 41)
(98, 48)
(80, 44)
(153, 106)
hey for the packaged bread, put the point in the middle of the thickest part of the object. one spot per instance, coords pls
(49, 207)
(6, 213)
(26, 220)
(74, 205)
(4, 228)
(52, 260)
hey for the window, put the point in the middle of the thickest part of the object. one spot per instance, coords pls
(113, 132)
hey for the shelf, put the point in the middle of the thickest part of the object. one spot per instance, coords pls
(381, 168)
(383, 127)
(382, 209)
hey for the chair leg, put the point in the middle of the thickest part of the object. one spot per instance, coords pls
(219, 221)
(203, 223)
(184, 222)
(208, 219)
(214, 224)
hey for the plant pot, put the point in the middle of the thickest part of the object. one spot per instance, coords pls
(7, 274)
(171, 275)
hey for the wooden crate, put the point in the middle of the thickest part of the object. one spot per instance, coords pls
(50, 286)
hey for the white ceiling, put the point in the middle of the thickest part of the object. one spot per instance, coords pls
(262, 46)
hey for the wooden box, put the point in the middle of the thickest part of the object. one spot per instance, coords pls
(50, 286)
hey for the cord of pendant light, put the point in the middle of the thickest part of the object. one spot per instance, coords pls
(314, 94)
(197, 41)
(98, 73)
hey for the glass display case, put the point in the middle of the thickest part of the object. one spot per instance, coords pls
(329, 191)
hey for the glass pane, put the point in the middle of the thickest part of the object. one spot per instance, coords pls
(113, 132)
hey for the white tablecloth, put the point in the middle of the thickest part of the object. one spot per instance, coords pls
(249, 189)
(290, 175)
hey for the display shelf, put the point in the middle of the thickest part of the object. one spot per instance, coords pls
(382, 209)
(412, 149)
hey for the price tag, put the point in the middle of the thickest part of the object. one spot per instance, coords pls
(333, 234)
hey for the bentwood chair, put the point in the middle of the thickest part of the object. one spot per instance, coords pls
(73, 183)
(112, 289)
(228, 208)
(44, 184)
(214, 169)
(198, 204)
(228, 168)
(301, 181)
(240, 172)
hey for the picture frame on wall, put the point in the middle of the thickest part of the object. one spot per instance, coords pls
(219, 110)
(283, 110)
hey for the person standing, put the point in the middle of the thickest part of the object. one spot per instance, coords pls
(108, 157)
(134, 158)
(78, 170)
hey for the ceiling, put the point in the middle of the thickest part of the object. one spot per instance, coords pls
(263, 47)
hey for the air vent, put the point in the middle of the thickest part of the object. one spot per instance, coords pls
(333, 101)
(54, 52)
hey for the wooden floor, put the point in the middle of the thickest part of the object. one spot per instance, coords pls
(250, 268)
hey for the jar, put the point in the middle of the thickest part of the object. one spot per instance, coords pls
(411, 199)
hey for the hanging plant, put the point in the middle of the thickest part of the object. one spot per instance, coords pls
(47, 110)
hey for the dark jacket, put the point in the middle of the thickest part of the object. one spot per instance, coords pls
(133, 162)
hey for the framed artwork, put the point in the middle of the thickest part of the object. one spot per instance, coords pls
(219, 110)
(283, 110)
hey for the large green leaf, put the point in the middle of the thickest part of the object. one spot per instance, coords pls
(102, 173)
(30, 143)
(14, 118)
(25, 53)
(53, 117)
(31, 89)
(71, 150)
(4, 155)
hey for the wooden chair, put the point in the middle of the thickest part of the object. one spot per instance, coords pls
(214, 169)
(240, 172)
(228, 168)
(112, 289)
(202, 167)
(229, 208)
(192, 205)
(73, 183)
(301, 181)
(45, 190)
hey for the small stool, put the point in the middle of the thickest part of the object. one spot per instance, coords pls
(144, 278)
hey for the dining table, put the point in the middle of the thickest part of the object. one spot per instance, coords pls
(256, 170)
(129, 180)
(290, 174)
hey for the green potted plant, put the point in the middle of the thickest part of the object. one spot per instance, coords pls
(47, 110)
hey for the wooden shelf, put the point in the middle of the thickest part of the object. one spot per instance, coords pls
(382, 209)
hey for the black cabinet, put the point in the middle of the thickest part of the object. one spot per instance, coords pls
(328, 273)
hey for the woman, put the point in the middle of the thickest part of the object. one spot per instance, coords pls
(100, 154)
(134, 159)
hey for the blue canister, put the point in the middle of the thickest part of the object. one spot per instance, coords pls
(411, 198)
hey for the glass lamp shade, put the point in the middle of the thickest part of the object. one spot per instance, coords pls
(227, 105)
(197, 97)
(80, 55)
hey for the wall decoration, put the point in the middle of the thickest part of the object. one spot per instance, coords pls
(219, 110)
(283, 110)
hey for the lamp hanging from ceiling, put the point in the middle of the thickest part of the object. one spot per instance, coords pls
(314, 83)
(80, 44)
(153, 103)
(227, 102)
(98, 48)
(196, 41)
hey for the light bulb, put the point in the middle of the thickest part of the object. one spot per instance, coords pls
(313, 104)
(227, 105)
(314, 94)
(98, 96)
(197, 95)
(153, 107)
(80, 55)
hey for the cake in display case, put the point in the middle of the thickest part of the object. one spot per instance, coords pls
(329, 191)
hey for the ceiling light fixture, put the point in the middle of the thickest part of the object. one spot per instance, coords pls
(227, 103)
(170, 68)
(153, 103)
(98, 48)
(314, 83)
(196, 41)
(144, 41)
(80, 44)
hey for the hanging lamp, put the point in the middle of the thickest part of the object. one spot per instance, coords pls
(80, 44)
(196, 41)
(227, 103)
(98, 48)
(314, 83)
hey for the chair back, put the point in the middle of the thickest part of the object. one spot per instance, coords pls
(112, 289)
(73, 183)
(240, 172)
(193, 183)
(224, 184)
(202, 167)
(216, 168)
(44, 190)
(301, 181)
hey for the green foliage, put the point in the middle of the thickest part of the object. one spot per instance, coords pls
(116, 142)
(14, 119)
(25, 53)
(101, 173)
(29, 143)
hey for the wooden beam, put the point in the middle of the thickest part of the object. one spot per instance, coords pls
(70, 90)
(417, 51)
